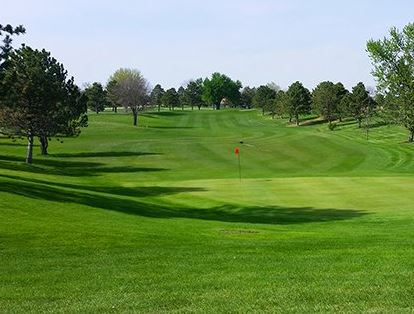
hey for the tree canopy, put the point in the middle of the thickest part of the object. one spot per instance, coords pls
(194, 93)
(38, 100)
(96, 96)
(358, 103)
(393, 61)
(220, 87)
(131, 91)
(325, 100)
(264, 97)
(171, 98)
(297, 101)
(156, 96)
(6, 32)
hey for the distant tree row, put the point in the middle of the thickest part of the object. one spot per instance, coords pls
(393, 60)
(39, 100)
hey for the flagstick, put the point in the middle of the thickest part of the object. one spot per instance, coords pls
(239, 166)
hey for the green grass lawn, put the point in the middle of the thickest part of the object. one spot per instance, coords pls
(154, 219)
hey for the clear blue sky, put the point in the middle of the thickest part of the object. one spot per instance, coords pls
(171, 42)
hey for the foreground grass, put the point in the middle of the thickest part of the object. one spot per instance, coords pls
(155, 219)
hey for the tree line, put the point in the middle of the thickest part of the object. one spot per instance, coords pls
(39, 100)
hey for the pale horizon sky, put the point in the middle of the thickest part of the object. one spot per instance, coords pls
(171, 42)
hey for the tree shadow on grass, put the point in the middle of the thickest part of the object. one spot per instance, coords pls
(115, 190)
(67, 168)
(12, 144)
(225, 213)
(314, 121)
(103, 154)
(171, 127)
(378, 124)
(163, 114)
(347, 122)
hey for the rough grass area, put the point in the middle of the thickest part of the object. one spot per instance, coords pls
(155, 219)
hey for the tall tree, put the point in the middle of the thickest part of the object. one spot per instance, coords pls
(280, 103)
(325, 100)
(341, 92)
(264, 97)
(182, 97)
(171, 98)
(96, 96)
(38, 100)
(194, 93)
(220, 87)
(131, 90)
(360, 103)
(111, 95)
(156, 96)
(297, 101)
(393, 61)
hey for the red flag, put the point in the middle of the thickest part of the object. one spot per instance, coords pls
(237, 151)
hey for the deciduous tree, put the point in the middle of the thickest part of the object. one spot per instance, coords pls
(220, 87)
(325, 100)
(131, 90)
(393, 61)
(171, 98)
(97, 98)
(182, 97)
(264, 97)
(360, 103)
(297, 101)
(247, 96)
(194, 93)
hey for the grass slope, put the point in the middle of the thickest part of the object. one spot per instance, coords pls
(154, 219)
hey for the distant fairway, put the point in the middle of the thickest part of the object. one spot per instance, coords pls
(154, 219)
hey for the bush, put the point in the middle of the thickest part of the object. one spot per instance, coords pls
(332, 126)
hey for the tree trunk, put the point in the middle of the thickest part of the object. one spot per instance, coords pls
(263, 111)
(218, 106)
(411, 137)
(159, 107)
(115, 109)
(29, 156)
(297, 119)
(135, 114)
(44, 144)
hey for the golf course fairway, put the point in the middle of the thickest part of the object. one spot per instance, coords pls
(155, 219)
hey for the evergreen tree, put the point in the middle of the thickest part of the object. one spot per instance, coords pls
(38, 100)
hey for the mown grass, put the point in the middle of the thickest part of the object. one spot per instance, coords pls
(154, 219)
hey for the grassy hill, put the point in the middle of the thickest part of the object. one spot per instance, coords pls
(155, 219)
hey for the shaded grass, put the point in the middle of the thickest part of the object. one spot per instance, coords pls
(224, 213)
